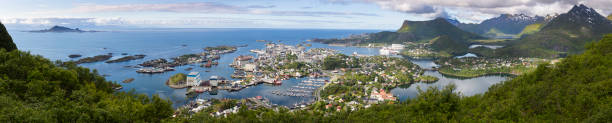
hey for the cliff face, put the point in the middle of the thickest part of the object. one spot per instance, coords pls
(6, 42)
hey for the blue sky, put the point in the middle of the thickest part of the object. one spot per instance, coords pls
(331, 14)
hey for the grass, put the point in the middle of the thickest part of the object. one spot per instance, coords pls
(530, 29)
(428, 79)
(470, 73)
(176, 78)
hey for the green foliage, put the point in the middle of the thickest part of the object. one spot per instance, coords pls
(504, 24)
(176, 78)
(334, 61)
(530, 29)
(417, 31)
(33, 89)
(449, 45)
(6, 42)
(565, 34)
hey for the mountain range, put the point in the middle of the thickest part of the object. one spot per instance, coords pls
(504, 25)
(567, 33)
(443, 35)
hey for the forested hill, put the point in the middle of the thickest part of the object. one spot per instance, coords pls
(6, 41)
(565, 34)
(36, 90)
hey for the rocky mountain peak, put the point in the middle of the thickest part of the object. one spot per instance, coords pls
(583, 13)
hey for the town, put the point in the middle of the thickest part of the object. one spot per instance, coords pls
(479, 66)
(336, 81)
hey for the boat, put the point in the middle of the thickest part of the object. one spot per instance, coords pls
(243, 58)
(278, 82)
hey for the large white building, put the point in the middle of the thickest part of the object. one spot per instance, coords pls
(193, 79)
(393, 49)
(397, 47)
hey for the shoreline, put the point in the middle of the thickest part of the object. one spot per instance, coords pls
(174, 86)
(477, 75)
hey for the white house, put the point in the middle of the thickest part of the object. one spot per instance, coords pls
(397, 46)
(193, 79)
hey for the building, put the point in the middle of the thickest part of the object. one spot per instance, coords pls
(193, 79)
(215, 80)
(397, 46)
(381, 95)
(249, 67)
(384, 51)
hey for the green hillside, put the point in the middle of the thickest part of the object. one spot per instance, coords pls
(427, 30)
(456, 40)
(34, 89)
(530, 29)
(503, 26)
(494, 32)
(610, 17)
(6, 42)
(565, 34)
(447, 45)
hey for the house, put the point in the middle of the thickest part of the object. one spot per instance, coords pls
(193, 79)
(381, 95)
(328, 106)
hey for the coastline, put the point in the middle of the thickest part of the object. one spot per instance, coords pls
(477, 75)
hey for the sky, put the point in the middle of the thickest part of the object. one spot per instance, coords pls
(321, 14)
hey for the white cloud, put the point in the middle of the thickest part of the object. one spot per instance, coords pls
(483, 8)
(204, 7)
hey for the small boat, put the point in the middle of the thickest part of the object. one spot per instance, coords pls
(188, 69)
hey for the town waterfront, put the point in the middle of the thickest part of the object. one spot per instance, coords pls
(170, 43)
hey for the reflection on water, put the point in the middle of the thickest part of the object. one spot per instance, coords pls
(487, 46)
(467, 55)
(465, 87)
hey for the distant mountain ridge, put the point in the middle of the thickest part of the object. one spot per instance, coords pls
(566, 33)
(505, 23)
(426, 30)
(57, 28)
(6, 41)
(443, 35)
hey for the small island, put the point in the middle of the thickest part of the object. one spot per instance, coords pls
(60, 29)
(74, 55)
(471, 67)
(177, 81)
(427, 79)
(97, 58)
(127, 58)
